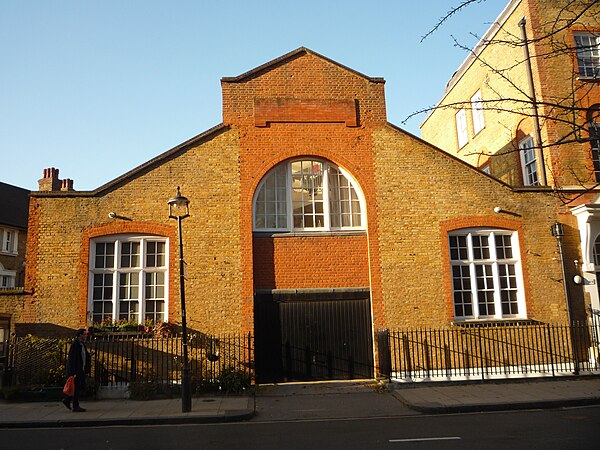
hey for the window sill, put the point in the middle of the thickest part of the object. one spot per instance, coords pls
(482, 323)
(9, 253)
(589, 79)
(292, 234)
(11, 290)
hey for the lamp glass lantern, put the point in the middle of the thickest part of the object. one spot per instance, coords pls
(179, 206)
(558, 230)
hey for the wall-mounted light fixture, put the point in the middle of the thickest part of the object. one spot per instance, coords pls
(558, 230)
(499, 210)
(114, 215)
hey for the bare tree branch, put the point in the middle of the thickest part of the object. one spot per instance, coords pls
(564, 111)
(449, 14)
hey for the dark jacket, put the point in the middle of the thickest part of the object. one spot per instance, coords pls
(75, 363)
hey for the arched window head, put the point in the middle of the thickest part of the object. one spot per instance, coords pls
(308, 195)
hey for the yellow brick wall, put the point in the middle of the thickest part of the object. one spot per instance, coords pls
(209, 177)
(419, 190)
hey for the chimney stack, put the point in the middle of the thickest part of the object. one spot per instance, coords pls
(51, 182)
(67, 185)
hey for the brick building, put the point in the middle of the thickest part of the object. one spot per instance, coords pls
(14, 207)
(524, 107)
(308, 211)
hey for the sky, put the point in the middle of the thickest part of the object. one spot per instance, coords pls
(97, 87)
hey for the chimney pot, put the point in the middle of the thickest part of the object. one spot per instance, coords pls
(66, 185)
(50, 181)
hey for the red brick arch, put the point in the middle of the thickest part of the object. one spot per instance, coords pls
(288, 155)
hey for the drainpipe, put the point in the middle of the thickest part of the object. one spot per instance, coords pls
(534, 105)
(558, 232)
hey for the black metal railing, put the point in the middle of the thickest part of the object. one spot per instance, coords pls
(121, 359)
(488, 352)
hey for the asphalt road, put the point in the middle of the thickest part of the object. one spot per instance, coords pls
(563, 429)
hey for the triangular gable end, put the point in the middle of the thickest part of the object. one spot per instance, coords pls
(302, 87)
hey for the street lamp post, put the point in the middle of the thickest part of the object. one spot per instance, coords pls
(179, 208)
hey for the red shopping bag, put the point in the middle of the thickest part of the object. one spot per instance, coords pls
(69, 389)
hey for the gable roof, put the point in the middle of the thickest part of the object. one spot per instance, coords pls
(14, 206)
(141, 169)
(301, 51)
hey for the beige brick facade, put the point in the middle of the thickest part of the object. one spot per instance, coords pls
(415, 194)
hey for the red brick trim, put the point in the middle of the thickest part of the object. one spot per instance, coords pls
(33, 244)
(459, 223)
(123, 227)
(304, 110)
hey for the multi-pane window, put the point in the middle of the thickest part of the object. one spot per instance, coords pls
(486, 281)
(596, 251)
(529, 162)
(477, 112)
(8, 241)
(128, 278)
(461, 128)
(308, 195)
(587, 48)
(594, 130)
(7, 278)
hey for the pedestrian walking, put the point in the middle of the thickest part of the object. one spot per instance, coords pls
(78, 365)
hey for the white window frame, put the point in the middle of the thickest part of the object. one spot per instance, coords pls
(594, 132)
(587, 50)
(8, 278)
(462, 134)
(9, 239)
(117, 270)
(286, 203)
(529, 163)
(477, 112)
(475, 283)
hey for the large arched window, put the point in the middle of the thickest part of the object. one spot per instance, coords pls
(128, 278)
(308, 195)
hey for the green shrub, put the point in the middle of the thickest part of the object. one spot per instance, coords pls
(150, 387)
(234, 381)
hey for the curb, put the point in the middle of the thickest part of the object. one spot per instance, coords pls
(236, 416)
(436, 408)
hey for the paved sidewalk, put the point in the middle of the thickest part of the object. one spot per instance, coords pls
(500, 396)
(125, 412)
(306, 401)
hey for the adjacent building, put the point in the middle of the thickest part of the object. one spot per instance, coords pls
(14, 209)
(525, 107)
